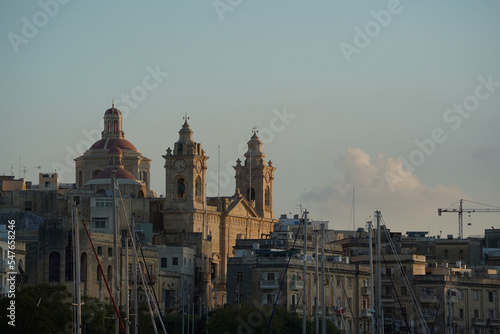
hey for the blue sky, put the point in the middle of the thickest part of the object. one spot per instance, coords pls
(239, 64)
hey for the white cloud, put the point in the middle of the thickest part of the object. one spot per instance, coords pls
(409, 204)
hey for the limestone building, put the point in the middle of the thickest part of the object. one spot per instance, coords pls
(96, 158)
(214, 223)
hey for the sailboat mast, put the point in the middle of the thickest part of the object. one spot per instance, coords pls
(115, 250)
(323, 310)
(316, 282)
(77, 273)
(450, 318)
(304, 294)
(380, 315)
(372, 295)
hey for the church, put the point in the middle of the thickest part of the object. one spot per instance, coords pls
(186, 216)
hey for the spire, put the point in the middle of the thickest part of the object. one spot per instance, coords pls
(254, 150)
(113, 123)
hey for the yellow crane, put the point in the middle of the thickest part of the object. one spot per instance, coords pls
(461, 210)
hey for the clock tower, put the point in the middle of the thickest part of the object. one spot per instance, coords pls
(254, 178)
(185, 170)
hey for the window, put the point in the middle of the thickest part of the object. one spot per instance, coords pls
(476, 314)
(80, 179)
(198, 187)
(181, 188)
(164, 262)
(83, 267)
(184, 261)
(270, 276)
(239, 276)
(68, 268)
(445, 254)
(213, 270)
(175, 261)
(110, 251)
(490, 296)
(267, 200)
(294, 299)
(460, 294)
(475, 294)
(461, 254)
(268, 299)
(28, 206)
(99, 250)
(99, 222)
(338, 281)
(103, 203)
(349, 282)
(461, 313)
(388, 290)
(54, 267)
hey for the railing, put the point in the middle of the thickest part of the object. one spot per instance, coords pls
(493, 322)
(269, 284)
(366, 313)
(478, 322)
(297, 285)
(428, 298)
(365, 290)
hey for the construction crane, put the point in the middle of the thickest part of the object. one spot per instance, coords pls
(461, 210)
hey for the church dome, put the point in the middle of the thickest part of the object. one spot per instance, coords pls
(112, 111)
(109, 143)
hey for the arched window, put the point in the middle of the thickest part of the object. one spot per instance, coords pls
(445, 254)
(198, 186)
(80, 178)
(68, 268)
(54, 267)
(99, 275)
(252, 194)
(267, 197)
(145, 177)
(181, 188)
(109, 126)
(110, 276)
(116, 127)
(83, 267)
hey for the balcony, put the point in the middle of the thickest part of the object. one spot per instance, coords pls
(429, 315)
(428, 299)
(297, 285)
(269, 284)
(493, 322)
(366, 313)
(365, 290)
(296, 308)
(387, 299)
(478, 322)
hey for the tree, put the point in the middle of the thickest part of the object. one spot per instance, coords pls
(38, 309)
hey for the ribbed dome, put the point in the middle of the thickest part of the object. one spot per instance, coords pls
(108, 143)
(113, 111)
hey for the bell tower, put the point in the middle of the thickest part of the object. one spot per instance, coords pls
(254, 178)
(185, 170)
(113, 124)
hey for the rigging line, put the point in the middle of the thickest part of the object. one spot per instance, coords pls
(150, 280)
(146, 287)
(338, 299)
(284, 275)
(342, 285)
(415, 303)
(105, 279)
(397, 294)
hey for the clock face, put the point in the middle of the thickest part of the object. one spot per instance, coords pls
(198, 165)
(268, 177)
(246, 176)
(179, 165)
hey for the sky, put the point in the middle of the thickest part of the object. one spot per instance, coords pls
(361, 105)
